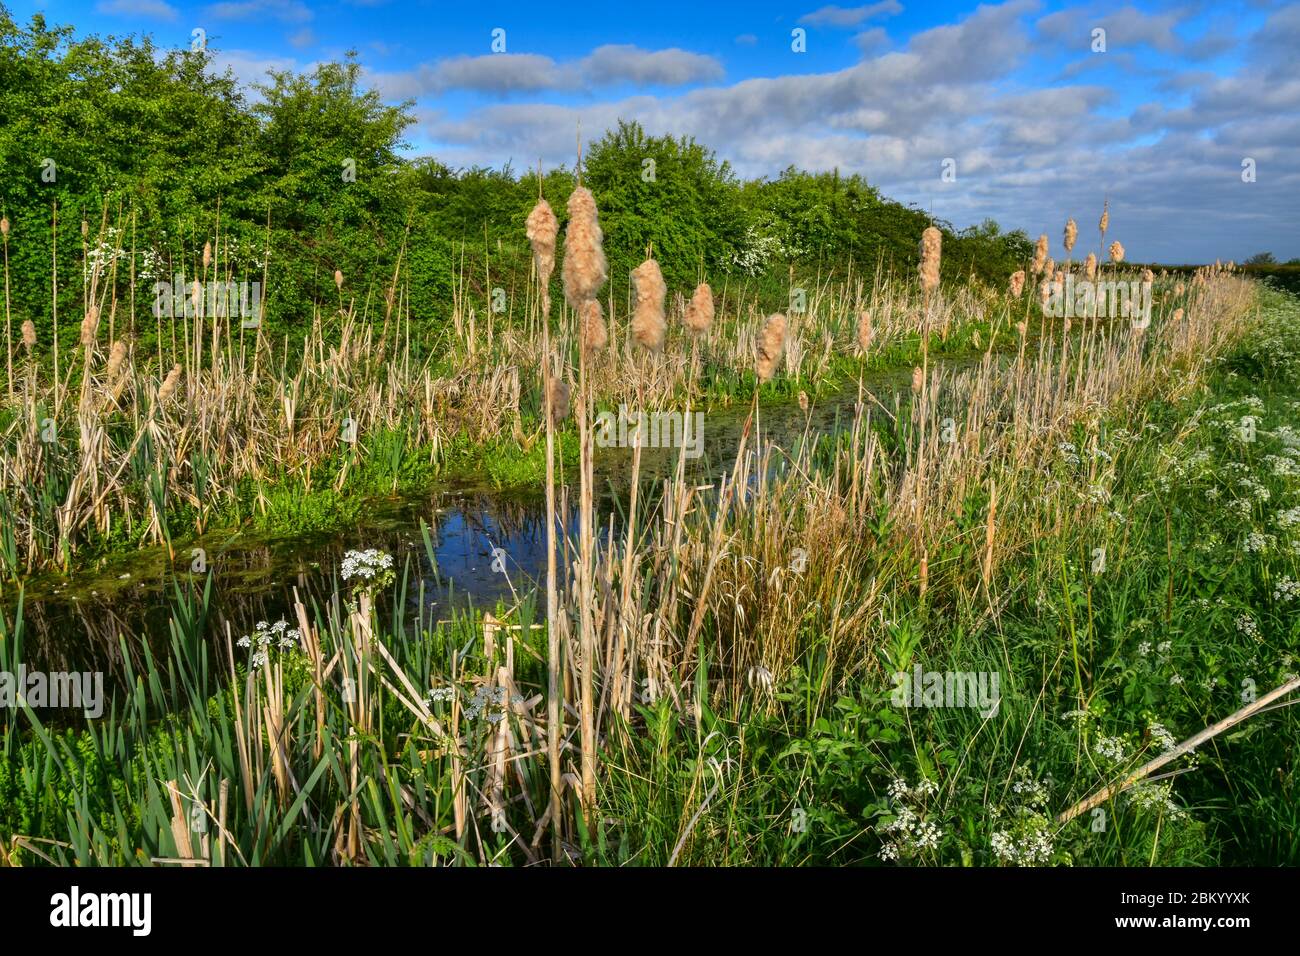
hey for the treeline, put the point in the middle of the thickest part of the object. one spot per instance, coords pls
(148, 154)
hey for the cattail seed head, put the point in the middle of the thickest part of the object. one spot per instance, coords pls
(89, 325)
(699, 311)
(338, 278)
(1090, 266)
(170, 384)
(115, 360)
(29, 335)
(585, 268)
(593, 332)
(1071, 234)
(1178, 315)
(918, 380)
(207, 254)
(1044, 292)
(4, 226)
(931, 255)
(1049, 268)
(1017, 283)
(542, 228)
(1104, 223)
(1179, 288)
(864, 331)
(559, 400)
(1148, 276)
(771, 342)
(1116, 252)
(1040, 255)
(85, 229)
(649, 290)
(803, 401)
(1022, 328)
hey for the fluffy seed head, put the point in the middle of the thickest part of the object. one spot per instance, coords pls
(594, 334)
(85, 228)
(803, 401)
(1116, 252)
(931, 254)
(542, 228)
(864, 331)
(585, 268)
(29, 335)
(115, 359)
(1044, 292)
(918, 380)
(89, 324)
(1017, 283)
(170, 384)
(1071, 234)
(1040, 255)
(1179, 288)
(1049, 268)
(1148, 275)
(771, 342)
(4, 226)
(1104, 223)
(699, 311)
(649, 290)
(207, 254)
(1090, 266)
(338, 278)
(559, 400)
(1178, 315)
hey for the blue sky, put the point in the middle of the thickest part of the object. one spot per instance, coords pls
(1039, 126)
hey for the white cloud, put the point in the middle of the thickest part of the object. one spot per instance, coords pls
(847, 17)
(154, 9)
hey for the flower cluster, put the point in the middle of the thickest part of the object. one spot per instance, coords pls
(909, 833)
(267, 637)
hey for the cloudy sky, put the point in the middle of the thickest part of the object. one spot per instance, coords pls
(1039, 110)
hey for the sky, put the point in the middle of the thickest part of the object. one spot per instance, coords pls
(1184, 115)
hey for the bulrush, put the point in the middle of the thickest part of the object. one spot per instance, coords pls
(170, 384)
(585, 268)
(115, 360)
(864, 331)
(29, 335)
(1040, 255)
(559, 400)
(699, 311)
(89, 324)
(207, 254)
(771, 342)
(1049, 268)
(1116, 252)
(1090, 266)
(1044, 293)
(338, 278)
(1148, 275)
(85, 229)
(542, 228)
(4, 226)
(594, 334)
(1104, 223)
(1179, 288)
(1178, 315)
(1017, 283)
(803, 401)
(931, 255)
(649, 289)
(1071, 234)
(918, 380)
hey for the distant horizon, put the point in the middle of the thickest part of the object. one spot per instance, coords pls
(1184, 116)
